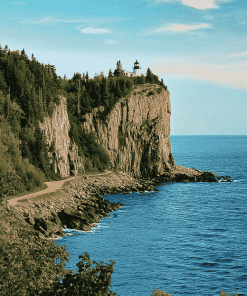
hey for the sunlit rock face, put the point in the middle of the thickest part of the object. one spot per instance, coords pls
(56, 130)
(136, 133)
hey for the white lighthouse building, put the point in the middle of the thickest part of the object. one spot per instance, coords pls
(137, 69)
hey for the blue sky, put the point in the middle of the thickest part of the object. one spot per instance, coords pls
(199, 48)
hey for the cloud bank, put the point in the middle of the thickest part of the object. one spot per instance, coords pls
(227, 75)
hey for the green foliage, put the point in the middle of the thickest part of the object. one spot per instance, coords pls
(154, 79)
(27, 265)
(150, 93)
(119, 70)
(16, 174)
(33, 86)
(29, 91)
(33, 266)
(96, 158)
(89, 281)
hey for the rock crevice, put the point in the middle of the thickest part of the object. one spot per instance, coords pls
(56, 130)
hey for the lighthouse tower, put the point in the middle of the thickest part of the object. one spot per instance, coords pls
(136, 69)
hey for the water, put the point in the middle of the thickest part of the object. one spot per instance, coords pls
(188, 239)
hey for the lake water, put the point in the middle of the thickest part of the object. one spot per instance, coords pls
(186, 239)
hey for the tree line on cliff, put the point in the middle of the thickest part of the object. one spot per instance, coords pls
(29, 91)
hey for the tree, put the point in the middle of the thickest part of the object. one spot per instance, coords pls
(110, 74)
(87, 77)
(149, 76)
(89, 281)
(119, 71)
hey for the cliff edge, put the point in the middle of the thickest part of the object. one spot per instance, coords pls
(136, 133)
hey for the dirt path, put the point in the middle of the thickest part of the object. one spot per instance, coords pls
(52, 186)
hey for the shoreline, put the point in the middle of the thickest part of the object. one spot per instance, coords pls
(79, 203)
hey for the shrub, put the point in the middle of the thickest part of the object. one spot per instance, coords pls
(91, 280)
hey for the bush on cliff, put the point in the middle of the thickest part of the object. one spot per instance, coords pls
(96, 158)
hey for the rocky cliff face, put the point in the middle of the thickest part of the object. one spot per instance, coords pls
(136, 133)
(56, 129)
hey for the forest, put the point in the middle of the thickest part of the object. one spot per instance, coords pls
(29, 91)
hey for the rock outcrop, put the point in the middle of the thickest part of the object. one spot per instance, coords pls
(64, 151)
(136, 133)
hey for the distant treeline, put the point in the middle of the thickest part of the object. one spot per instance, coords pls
(29, 91)
(83, 93)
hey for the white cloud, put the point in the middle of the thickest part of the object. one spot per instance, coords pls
(198, 4)
(182, 28)
(94, 31)
(231, 75)
(50, 20)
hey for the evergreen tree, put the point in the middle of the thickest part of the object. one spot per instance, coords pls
(149, 76)
(119, 71)
(110, 74)
(87, 77)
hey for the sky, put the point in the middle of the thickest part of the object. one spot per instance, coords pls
(199, 48)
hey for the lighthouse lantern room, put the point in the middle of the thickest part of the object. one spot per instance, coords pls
(136, 69)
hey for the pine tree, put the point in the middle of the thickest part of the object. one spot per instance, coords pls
(87, 77)
(149, 76)
(3, 84)
(110, 74)
(119, 71)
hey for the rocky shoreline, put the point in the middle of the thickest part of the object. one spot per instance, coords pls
(185, 175)
(80, 205)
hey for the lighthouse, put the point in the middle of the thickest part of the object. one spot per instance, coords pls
(136, 69)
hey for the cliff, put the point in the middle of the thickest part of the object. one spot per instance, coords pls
(136, 133)
(62, 149)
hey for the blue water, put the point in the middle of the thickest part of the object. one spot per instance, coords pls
(186, 239)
